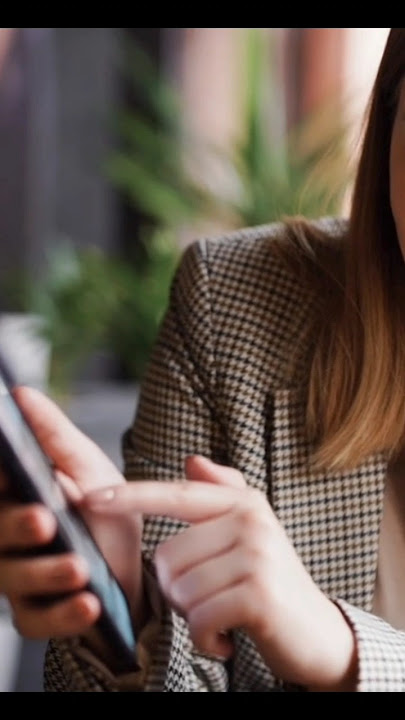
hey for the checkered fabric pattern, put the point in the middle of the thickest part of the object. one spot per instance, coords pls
(224, 381)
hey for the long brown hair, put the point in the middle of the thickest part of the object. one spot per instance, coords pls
(356, 400)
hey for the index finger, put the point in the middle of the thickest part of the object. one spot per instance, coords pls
(188, 501)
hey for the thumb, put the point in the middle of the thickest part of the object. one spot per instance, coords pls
(70, 450)
(199, 467)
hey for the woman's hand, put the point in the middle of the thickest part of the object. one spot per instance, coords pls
(234, 567)
(81, 467)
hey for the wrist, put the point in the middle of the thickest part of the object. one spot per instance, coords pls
(340, 672)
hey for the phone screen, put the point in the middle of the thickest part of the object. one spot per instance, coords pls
(44, 487)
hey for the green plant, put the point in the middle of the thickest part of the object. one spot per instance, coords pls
(150, 167)
(272, 171)
(136, 323)
(90, 300)
(281, 171)
(78, 297)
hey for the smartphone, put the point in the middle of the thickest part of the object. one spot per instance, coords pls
(33, 479)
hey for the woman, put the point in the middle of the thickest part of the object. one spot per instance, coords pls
(276, 389)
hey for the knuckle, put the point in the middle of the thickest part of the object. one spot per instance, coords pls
(238, 478)
(257, 498)
(253, 560)
(182, 491)
(246, 520)
(253, 510)
(246, 511)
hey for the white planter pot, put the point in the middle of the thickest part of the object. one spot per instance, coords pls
(23, 348)
(10, 649)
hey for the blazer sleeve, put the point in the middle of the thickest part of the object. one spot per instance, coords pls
(176, 416)
(381, 651)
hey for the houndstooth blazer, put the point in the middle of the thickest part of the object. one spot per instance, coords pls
(221, 383)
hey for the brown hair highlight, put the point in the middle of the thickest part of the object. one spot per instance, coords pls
(356, 394)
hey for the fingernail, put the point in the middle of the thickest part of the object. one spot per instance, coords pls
(100, 497)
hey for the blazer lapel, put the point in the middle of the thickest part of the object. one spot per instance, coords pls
(333, 519)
